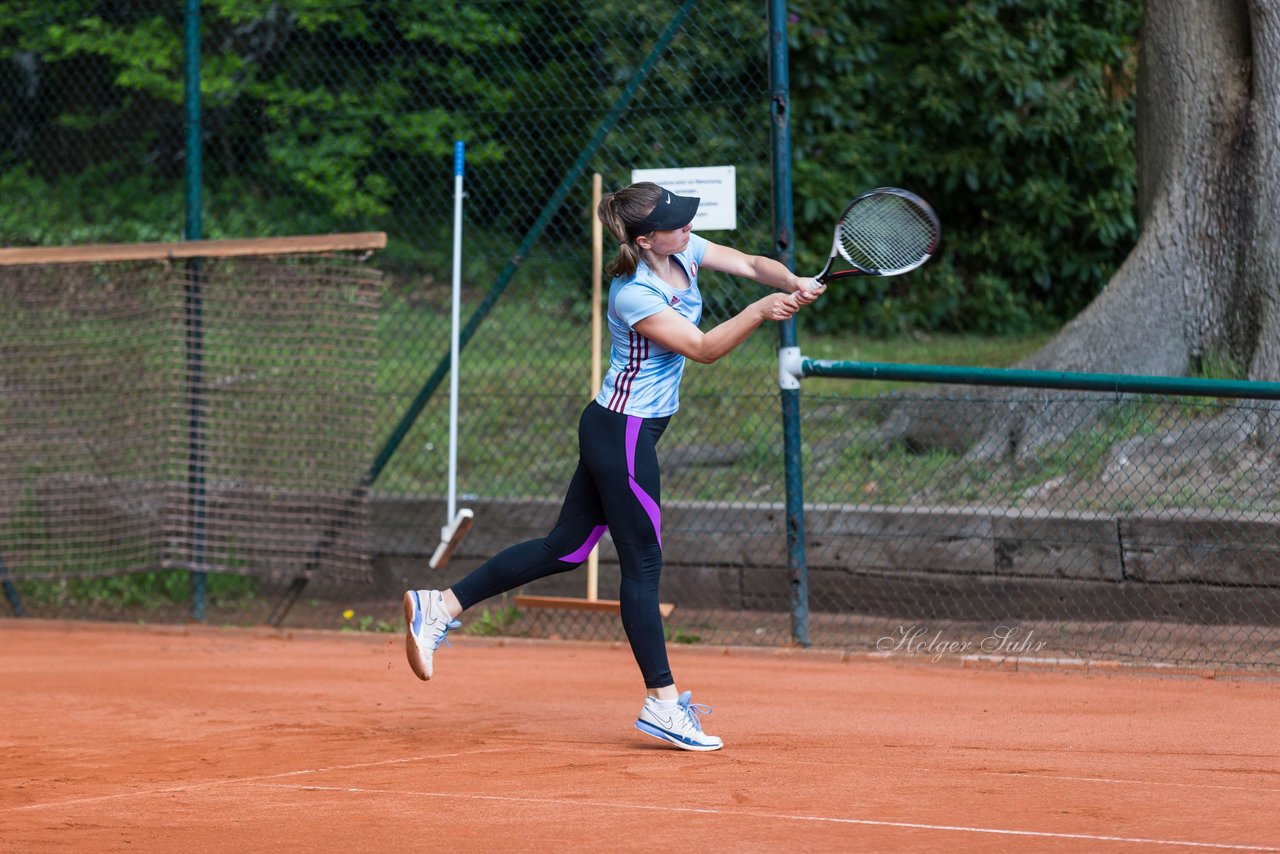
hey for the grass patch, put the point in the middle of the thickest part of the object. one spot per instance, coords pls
(493, 621)
(521, 405)
(146, 591)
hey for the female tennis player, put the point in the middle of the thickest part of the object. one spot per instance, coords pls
(654, 310)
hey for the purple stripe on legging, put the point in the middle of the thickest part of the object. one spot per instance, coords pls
(585, 549)
(650, 506)
(633, 433)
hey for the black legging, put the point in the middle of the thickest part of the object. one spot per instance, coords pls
(616, 487)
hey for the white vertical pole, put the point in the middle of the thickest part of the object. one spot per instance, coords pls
(459, 156)
(458, 521)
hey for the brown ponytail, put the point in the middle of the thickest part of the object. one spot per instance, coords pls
(622, 209)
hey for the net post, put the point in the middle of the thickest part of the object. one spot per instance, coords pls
(784, 251)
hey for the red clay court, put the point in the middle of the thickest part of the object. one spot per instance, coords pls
(127, 738)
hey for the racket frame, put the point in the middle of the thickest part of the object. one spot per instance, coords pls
(837, 248)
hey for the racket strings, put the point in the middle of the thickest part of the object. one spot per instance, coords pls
(886, 233)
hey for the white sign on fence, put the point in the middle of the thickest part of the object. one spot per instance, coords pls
(716, 186)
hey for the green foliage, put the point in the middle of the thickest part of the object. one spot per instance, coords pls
(1013, 117)
(680, 635)
(1217, 365)
(144, 591)
(353, 622)
(494, 621)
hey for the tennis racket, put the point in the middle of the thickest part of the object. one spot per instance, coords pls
(885, 232)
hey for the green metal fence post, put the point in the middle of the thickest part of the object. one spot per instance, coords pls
(196, 496)
(784, 251)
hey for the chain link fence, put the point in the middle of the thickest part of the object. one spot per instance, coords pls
(1059, 524)
(1138, 530)
(343, 118)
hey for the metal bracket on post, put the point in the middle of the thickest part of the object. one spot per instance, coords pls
(790, 364)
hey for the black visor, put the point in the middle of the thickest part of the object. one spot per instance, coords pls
(671, 212)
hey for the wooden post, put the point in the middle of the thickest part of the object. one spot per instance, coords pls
(597, 287)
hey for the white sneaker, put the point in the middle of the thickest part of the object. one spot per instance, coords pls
(679, 725)
(427, 622)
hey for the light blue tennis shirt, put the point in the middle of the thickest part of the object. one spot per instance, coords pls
(644, 377)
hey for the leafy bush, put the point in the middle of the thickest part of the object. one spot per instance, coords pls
(1013, 117)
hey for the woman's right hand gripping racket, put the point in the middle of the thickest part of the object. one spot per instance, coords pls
(884, 232)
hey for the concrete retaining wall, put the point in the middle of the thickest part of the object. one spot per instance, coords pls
(963, 563)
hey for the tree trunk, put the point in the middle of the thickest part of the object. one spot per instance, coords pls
(1263, 256)
(1190, 289)
(1201, 288)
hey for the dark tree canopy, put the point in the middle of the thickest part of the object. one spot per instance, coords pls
(1015, 117)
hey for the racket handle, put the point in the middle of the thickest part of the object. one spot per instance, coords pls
(812, 285)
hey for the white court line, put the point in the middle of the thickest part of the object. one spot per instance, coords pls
(1030, 775)
(182, 787)
(263, 781)
(622, 805)
(1034, 776)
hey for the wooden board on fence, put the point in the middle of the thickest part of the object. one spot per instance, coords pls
(612, 605)
(316, 243)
